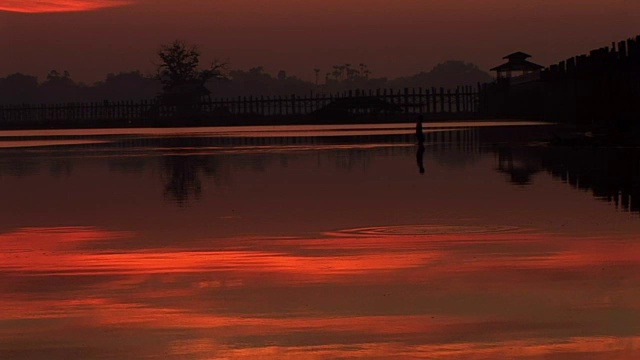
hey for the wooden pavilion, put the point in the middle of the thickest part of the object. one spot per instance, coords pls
(516, 65)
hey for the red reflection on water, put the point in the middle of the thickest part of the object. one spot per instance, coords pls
(391, 292)
(593, 348)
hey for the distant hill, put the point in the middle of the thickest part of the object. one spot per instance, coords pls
(448, 75)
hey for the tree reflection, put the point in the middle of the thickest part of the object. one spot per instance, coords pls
(60, 168)
(19, 166)
(182, 176)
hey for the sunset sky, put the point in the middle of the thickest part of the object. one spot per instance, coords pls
(90, 38)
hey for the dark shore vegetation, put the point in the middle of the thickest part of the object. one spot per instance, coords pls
(180, 67)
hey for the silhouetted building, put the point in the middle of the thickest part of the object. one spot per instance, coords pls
(516, 65)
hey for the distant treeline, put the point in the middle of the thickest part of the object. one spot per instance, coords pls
(59, 87)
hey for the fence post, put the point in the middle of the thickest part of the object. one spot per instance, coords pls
(428, 100)
(280, 109)
(406, 100)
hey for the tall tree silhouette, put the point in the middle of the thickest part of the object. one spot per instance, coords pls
(182, 79)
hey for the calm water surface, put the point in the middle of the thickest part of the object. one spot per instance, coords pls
(316, 242)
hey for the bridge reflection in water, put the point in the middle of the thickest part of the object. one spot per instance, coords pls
(608, 173)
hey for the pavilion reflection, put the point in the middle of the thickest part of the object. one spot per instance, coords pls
(519, 167)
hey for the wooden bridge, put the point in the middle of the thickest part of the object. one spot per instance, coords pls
(599, 89)
(378, 104)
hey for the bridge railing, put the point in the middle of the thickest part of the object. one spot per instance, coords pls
(463, 99)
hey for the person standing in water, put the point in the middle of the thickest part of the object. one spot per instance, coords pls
(420, 140)
(419, 133)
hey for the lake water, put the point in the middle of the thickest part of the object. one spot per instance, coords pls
(317, 242)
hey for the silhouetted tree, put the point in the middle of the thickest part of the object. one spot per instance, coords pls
(255, 81)
(346, 77)
(183, 82)
(60, 88)
(18, 89)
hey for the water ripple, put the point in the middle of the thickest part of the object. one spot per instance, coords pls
(409, 230)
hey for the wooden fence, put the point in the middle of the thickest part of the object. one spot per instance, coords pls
(462, 100)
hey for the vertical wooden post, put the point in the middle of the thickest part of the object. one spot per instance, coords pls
(622, 50)
(280, 108)
(428, 100)
(414, 103)
(434, 99)
(266, 107)
(294, 104)
(395, 96)
(262, 106)
(465, 97)
(319, 101)
(405, 100)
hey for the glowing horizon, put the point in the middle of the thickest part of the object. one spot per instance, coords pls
(36, 7)
(393, 38)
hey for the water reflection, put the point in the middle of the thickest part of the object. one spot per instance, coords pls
(519, 170)
(448, 292)
(182, 176)
(128, 165)
(61, 168)
(303, 247)
(19, 166)
(420, 158)
(610, 174)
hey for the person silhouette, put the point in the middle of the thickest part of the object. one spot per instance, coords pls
(420, 140)
(419, 133)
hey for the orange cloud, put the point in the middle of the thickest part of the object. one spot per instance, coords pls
(36, 6)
